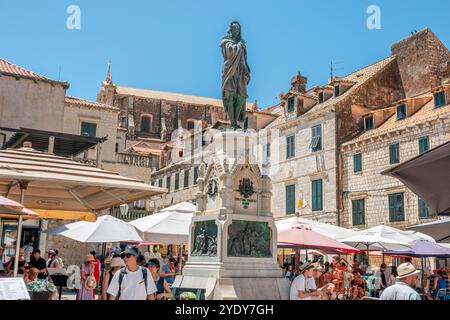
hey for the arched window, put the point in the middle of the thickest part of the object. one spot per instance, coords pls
(146, 124)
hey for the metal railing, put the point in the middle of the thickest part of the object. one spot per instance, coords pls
(132, 214)
(135, 160)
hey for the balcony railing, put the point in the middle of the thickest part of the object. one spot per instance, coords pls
(132, 214)
(135, 160)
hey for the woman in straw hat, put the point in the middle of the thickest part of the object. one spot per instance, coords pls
(88, 282)
(116, 264)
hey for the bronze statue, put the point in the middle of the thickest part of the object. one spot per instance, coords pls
(235, 75)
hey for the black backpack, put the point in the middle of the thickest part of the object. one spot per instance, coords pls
(123, 272)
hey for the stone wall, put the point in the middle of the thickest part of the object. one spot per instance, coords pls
(420, 59)
(162, 112)
(106, 122)
(304, 167)
(26, 103)
(174, 196)
(374, 187)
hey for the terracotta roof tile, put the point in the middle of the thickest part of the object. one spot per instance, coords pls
(359, 77)
(11, 69)
(73, 101)
(424, 114)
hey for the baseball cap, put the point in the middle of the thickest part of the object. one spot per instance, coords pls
(153, 262)
(131, 249)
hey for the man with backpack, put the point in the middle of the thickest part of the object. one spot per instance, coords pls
(133, 282)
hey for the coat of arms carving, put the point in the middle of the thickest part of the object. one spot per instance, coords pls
(246, 188)
(212, 188)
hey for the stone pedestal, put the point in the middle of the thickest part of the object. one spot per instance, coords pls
(233, 235)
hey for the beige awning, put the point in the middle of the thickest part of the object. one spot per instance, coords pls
(61, 188)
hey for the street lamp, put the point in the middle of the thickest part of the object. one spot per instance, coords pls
(124, 209)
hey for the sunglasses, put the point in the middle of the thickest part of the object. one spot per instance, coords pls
(88, 262)
(128, 255)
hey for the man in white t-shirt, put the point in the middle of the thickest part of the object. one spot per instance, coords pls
(129, 283)
(301, 287)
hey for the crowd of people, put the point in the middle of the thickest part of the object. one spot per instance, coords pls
(32, 267)
(121, 275)
(341, 281)
(127, 275)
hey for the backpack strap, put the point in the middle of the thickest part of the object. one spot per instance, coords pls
(144, 275)
(122, 273)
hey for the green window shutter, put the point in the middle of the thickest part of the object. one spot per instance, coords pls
(321, 97)
(168, 183)
(160, 183)
(394, 153)
(290, 146)
(337, 91)
(291, 104)
(316, 138)
(368, 123)
(396, 207)
(357, 162)
(401, 112)
(290, 199)
(439, 99)
(177, 181)
(186, 178)
(195, 175)
(358, 212)
(424, 144)
(317, 196)
(423, 209)
(88, 129)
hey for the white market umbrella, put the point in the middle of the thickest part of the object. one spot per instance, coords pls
(396, 234)
(329, 230)
(168, 226)
(373, 242)
(106, 229)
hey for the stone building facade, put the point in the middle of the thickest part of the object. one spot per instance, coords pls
(87, 118)
(30, 100)
(400, 132)
(305, 142)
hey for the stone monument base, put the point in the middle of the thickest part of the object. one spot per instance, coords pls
(237, 288)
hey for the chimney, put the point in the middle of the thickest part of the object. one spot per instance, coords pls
(298, 83)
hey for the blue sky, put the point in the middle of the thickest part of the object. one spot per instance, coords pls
(173, 45)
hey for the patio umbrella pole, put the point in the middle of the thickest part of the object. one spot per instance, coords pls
(423, 276)
(368, 259)
(23, 187)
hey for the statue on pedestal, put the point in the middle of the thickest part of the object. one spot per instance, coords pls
(235, 75)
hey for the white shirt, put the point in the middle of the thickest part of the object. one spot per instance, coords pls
(133, 286)
(28, 251)
(299, 284)
(400, 291)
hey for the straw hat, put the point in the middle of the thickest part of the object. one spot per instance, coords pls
(89, 257)
(306, 266)
(90, 283)
(405, 270)
(117, 262)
